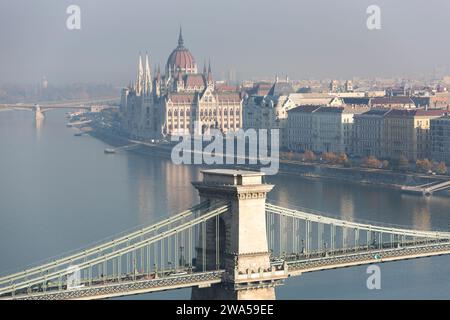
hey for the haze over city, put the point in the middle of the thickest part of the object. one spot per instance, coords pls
(224, 150)
(302, 39)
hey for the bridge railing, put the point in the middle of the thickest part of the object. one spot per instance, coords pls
(100, 246)
(157, 251)
(300, 233)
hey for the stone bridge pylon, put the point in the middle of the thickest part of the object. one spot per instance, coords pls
(242, 238)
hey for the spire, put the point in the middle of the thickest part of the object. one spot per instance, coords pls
(204, 67)
(180, 38)
(210, 78)
(147, 77)
(157, 90)
(169, 73)
(139, 76)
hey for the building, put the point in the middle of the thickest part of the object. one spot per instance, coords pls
(440, 139)
(321, 128)
(270, 110)
(422, 126)
(369, 132)
(334, 86)
(174, 103)
(407, 133)
(440, 100)
(394, 133)
(300, 128)
(348, 86)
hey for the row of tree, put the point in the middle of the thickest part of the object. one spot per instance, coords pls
(309, 156)
(402, 163)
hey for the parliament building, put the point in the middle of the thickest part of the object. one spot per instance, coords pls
(180, 102)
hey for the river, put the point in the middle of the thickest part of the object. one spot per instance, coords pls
(59, 192)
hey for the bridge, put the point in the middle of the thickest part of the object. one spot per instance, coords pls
(39, 109)
(428, 189)
(234, 244)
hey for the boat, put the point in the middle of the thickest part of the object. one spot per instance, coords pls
(108, 150)
(78, 134)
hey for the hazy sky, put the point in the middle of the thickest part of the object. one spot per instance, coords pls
(304, 39)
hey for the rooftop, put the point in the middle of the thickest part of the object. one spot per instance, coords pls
(305, 109)
(232, 172)
(391, 100)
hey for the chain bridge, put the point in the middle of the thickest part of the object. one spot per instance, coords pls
(233, 245)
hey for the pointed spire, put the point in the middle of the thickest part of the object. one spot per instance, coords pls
(147, 76)
(209, 78)
(169, 73)
(204, 67)
(139, 76)
(158, 83)
(180, 38)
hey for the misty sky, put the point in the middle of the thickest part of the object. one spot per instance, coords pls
(304, 39)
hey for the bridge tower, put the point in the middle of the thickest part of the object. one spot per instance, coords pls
(239, 236)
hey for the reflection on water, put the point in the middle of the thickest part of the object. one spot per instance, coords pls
(347, 207)
(421, 215)
(59, 192)
(39, 123)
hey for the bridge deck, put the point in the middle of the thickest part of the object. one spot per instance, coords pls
(113, 288)
(324, 261)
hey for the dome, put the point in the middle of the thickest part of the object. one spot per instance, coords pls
(181, 59)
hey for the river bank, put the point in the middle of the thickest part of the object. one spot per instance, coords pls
(376, 177)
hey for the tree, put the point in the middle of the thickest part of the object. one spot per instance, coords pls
(343, 159)
(441, 168)
(329, 157)
(309, 156)
(424, 165)
(385, 164)
(372, 162)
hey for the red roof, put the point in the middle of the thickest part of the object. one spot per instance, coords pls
(194, 80)
(229, 97)
(431, 112)
(182, 97)
(180, 58)
(225, 88)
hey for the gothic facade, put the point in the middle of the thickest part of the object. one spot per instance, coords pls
(180, 102)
